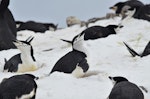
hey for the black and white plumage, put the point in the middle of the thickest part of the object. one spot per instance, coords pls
(18, 87)
(96, 32)
(23, 61)
(6, 24)
(141, 12)
(74, 62)
(121, 7)
(134, 53)
(117, 7)
(123, 89)
(35, 26)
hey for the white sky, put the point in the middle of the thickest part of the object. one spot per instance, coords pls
(56, 11)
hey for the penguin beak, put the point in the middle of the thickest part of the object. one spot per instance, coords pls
(16, 42)
(82, 35)
(110, 77)
(113, 8)
(121, 26)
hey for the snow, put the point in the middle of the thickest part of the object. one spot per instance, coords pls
(106, 57)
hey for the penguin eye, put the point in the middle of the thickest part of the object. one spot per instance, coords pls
(76, 39)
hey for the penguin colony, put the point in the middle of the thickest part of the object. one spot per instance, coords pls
(74, 62)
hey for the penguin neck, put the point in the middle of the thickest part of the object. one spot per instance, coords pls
(80, 48)
(80, 52)
(112, 31)
(130, 15)
(27, 57)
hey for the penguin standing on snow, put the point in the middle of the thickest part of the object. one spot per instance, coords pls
(74, 62)
(24, 61)
(134, 53)
(123, 89)
(18, 87)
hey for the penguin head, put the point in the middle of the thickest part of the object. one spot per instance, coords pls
(19, 23)
(114, 28)
(117, 7)
(51, 26)
(130, 11)
(78, 39)
(24, 45)
(32, 76)
(77, 42)
(117, 79)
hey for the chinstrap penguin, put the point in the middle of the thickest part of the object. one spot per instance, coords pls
(140, 12)
(24, 61)
(96, 32)
(74, 62)
(121, 7)
(124, 89)
(18, 87)
(35, 26)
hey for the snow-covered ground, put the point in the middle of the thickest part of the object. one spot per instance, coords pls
(106, 57)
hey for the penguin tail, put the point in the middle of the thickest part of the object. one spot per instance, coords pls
(132, 52)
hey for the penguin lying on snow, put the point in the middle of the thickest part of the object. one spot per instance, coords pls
(134, 53)
(18, 87)
(123, 89)
(75, 61)
(35, 26)
(96, 32)
(24, 61)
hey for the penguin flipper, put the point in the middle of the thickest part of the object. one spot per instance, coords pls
(84, 65)
(132, 52)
